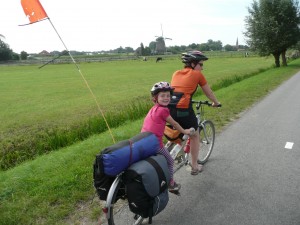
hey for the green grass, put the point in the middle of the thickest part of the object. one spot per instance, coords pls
(57, 95)
(50, 189)
(45, 109)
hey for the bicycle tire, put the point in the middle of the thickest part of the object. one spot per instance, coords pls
(207, 140)
(118, 210)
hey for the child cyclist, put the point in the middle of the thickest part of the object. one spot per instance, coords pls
(156, 120)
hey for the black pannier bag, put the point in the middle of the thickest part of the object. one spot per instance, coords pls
(102, 183)
(147, 186)
(114, 159)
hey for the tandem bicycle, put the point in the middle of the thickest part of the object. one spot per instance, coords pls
(116, 207)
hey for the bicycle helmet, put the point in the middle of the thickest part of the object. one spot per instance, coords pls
(161, 86)
(193, 57)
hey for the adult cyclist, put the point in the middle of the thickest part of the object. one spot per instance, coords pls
(185, 83)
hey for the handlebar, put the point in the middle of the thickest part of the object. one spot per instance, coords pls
(199, 103)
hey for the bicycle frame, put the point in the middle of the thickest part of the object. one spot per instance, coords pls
(184, 156)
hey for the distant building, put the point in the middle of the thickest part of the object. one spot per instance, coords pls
(44, 53)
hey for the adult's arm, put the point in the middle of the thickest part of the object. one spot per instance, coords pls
(209, 93)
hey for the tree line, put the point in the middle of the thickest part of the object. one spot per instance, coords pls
(7, 54)
(210, 45)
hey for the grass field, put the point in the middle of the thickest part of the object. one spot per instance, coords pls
(57, 188)
(57, 93)
(45, 109)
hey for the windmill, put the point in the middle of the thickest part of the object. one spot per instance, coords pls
(160, 42)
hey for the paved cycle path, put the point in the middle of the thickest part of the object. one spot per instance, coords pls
(253, 175)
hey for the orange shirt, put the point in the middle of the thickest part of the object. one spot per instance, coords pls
(187, 81)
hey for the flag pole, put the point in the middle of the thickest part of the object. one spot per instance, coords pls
(85, 81)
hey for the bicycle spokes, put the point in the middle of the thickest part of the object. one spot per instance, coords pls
(206, 140)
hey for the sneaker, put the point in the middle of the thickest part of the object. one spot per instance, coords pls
(174, 187)
(197, 170)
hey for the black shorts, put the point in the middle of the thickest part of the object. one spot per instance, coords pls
(185, 117)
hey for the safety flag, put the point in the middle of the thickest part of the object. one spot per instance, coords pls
(34, 10)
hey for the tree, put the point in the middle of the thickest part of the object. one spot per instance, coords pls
(214, 45)
(24, 55)
(272, 27)
(177, 49)
(147, 51)
(229, 48)
(120, 50)
(15, 56)
(152, 46)
(204, 47)
(297, 46)
(5, 52)
(193, 46)
(142, 49)
(129, 50)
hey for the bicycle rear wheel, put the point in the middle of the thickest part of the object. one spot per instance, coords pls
(207, 140)
(118, 212)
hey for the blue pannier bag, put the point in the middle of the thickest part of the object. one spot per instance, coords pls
(120, 156)
(116, 158)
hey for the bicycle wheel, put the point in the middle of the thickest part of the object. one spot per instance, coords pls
(207, 140)
(118, 212)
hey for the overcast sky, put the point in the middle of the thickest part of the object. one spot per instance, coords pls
(94, 25)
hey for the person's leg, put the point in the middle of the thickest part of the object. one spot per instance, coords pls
(170, 161)
(187, 122)
(173, 186)
(195, 148)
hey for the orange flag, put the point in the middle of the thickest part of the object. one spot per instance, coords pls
(34, 10)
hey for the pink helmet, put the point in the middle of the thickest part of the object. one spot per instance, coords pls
(161, 86)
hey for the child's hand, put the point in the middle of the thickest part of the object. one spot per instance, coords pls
(190, 131)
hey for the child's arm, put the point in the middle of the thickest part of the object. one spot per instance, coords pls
(171, 121)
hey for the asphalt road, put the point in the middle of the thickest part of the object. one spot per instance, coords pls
(253, 175)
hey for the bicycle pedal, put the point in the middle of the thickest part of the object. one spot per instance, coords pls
(179, 158)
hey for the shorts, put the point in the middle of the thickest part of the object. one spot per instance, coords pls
(185, 117)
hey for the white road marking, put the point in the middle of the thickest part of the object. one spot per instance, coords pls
(289, 145)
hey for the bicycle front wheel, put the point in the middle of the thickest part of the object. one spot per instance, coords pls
(118, 208)
(207, 140)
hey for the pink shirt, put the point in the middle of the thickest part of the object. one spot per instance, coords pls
(155, 121)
